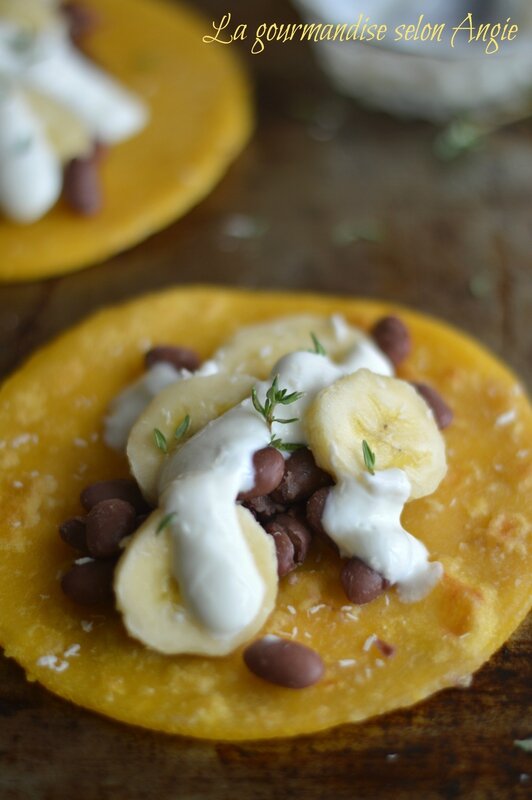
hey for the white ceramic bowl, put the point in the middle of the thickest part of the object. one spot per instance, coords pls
(427, 80)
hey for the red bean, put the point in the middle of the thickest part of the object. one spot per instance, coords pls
(302, 477)
(178, 357)
(72, 531)
(108, 523)
(361, 583)
(442, 413)
(81, 186)
(285, 552)
(314, 514)
(284, 663)
(118, 489)
(90, 583)
(393, 338)
(268, 465)
(314, 510)
(264, 508)
(297, 532)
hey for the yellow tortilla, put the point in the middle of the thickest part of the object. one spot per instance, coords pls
(477, 524)
(200, 119)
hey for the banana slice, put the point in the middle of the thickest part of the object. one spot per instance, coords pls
(390, 415)
(256, 348)
(202, 398)
(67, 134)
(149, 599)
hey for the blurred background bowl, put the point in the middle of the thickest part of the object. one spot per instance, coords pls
(429, 80)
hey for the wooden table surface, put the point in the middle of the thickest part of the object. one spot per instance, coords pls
(332, 198)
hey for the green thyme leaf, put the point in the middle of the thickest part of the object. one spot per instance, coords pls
(286, 447)
(287, 399)
(481, 286)
(285, 421)
(160, 440)
(257, 405)
(318, 347)
(272, 397)
(458, 138)
(369, 457)
(182, 428)
(290, 447)
(165, 522)
(524, 744)
(347, 232)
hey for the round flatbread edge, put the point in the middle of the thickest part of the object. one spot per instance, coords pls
(477, 524)
(201, 118)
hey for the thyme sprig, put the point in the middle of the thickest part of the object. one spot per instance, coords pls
(275, 397)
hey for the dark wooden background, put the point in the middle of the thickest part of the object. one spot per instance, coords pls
(332, 198)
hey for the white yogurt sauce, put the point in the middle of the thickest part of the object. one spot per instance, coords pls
(56, 68)
(31, 174)
(45, 61)
(362, 514)
(211, 559)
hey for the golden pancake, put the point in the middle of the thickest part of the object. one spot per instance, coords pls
(477, 524)
(200, 118)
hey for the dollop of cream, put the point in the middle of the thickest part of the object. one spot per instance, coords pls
(43, 60)
(362, 515)
(53, 66)
(31, 174)
(211, 559)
